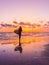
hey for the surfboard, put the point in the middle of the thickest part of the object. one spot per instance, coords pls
(16, 31)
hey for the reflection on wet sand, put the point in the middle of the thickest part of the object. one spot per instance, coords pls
(44, 58)
(18, 48)
(46, 51)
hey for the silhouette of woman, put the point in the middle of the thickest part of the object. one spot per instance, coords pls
(19, 31)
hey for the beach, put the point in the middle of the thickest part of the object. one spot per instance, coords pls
(34, 49)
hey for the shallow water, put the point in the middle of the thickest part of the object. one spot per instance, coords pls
(34, 49)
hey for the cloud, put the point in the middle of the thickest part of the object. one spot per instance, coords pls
(7, 25)
(41, 21)
(48, 22)
(46, 25)
(3, 25)
(38, 25)
(14, 22)
(22, 23)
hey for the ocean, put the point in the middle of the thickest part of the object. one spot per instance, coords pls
(12, 35)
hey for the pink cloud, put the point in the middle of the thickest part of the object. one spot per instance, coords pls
(22, 23)
(46, 25)
(14, 22)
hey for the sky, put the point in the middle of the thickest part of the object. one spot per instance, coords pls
(24, 10)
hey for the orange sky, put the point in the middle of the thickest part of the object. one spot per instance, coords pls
(25, 29)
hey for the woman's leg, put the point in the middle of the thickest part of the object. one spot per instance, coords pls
(19, 39)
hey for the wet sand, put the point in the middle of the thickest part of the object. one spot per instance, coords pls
(33, 51)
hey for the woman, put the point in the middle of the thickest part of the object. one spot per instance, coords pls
(19, 31)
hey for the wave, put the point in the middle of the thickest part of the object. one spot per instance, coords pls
(11, 35)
